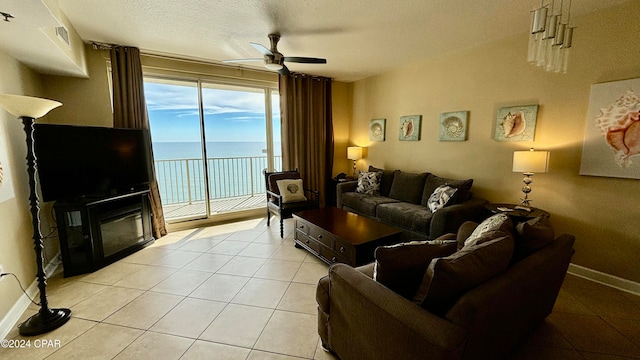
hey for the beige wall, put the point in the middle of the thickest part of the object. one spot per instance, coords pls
(16, 232)
(601, 212)
(342, 104)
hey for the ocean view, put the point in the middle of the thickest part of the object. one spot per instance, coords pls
(193, 150)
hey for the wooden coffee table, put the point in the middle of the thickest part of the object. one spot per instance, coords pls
(334, 235)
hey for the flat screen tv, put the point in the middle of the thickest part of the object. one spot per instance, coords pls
(89, 161)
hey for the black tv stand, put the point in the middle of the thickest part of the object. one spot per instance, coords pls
(97, 232)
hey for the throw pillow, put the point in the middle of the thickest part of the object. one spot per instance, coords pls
(274, 177)
(386, 181)
(533, 235)
(291, 190)
(407, 187)
(369, 182)
(494, 223)
(433, 181)
(464, 231)
(401, 267)
(441, 197)
(448, 278)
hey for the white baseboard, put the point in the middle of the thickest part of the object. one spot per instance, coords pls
(12, 317)
(605, 279)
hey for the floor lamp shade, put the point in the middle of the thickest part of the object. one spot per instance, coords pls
(28, 109)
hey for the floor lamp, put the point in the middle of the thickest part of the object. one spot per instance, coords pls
(28, 109)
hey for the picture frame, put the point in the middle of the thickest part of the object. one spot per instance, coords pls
(453, 126)
(410, 128)
(610, 147)
(516, 123)
(377, 129)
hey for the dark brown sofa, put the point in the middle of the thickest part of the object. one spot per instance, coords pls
(359, 318)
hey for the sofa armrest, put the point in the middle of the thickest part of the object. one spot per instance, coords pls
(450, 218)
(368, 321)
(343, 187)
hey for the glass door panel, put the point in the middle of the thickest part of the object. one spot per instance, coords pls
(174, 119)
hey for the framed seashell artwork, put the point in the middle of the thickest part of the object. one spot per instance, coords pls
(612, 137)
(377, 128)
(516, 123)
(453, 126)
(410, 127)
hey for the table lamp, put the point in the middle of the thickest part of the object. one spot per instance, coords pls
(354, 153)
(528, 163)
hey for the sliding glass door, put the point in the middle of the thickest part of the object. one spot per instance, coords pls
(211, 143)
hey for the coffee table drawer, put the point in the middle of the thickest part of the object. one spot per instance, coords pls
(342, 249)
(325, 238)
(302, 227)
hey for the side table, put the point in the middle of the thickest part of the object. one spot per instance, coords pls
(517, 215)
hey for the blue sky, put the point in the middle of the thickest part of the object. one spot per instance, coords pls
(229, 115)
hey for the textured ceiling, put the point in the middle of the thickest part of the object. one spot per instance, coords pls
(359, 38)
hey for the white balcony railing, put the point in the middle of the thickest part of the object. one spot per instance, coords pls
(181, 181)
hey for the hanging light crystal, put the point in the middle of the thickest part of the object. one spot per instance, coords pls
(550, 38)
(538, 22)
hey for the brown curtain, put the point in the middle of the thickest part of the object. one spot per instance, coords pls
(130, 111)
(307, 129)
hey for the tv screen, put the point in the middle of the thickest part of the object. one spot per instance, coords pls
(89, 161)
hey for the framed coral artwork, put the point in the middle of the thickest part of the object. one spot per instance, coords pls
(612, 137)
(516, 123)
(453, 126)
(377, 129)
(410, 127)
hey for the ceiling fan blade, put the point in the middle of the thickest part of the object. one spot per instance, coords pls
(284, 71)
(262, 49)
(242, 60)
(306, 60)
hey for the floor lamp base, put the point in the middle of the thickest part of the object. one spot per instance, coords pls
(43, 322)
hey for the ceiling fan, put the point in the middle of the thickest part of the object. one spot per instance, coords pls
(274, 60)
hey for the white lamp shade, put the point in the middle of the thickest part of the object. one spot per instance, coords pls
(27, 106)
(530, 161)
(273, 66)
(354, 153)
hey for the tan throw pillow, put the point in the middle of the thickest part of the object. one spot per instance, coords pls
(496, 222)
(291, 190)
(448, 278)
(401, 267)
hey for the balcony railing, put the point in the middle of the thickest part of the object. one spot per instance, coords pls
(181, 181)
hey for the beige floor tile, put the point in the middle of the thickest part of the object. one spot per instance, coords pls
(101, 305)
(182, 282)
(546, 335)
(169, 242)
(290, 334)
(263, 355)
(238, 325)
(596, 356)
(111, 274)
(569, 304)
(607, 302)
(245, 235)
(287, 251)
(227, 247)
(261, 292)
(311, 272)
(242, 266)
(103, 341)
(208, 262)
(220, 287)
(267, 237)
(71, 294)
(59, 337)
(176, 259)
(203, 350)
(189, 318)
(156, 346)
(299, 298)
(544, 353)
(200, 244)
(262, 250)
(145, 310)
(145, 278)
(147, 256)
(276, 269)
(630, 328)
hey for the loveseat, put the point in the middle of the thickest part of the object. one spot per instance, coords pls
(362, 315)
(401, 200)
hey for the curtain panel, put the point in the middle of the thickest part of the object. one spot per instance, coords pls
(130, 111)
(307, 129)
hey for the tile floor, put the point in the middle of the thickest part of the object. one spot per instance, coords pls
(237, 291)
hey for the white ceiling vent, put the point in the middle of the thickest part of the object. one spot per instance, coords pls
(63, 34)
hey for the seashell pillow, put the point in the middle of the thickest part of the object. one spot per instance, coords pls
(441, 197)
(369, 182)
(291, 190)
(497, 222)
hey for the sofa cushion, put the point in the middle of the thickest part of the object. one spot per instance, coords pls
(386, 181)
(369, 182)
(364, 203)
(404, 215)
(431, 184)
(441, 197)
(532, 235)
(291, 190)
(401, 267)
(498, 222)
(448, 278)
(408, 187)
